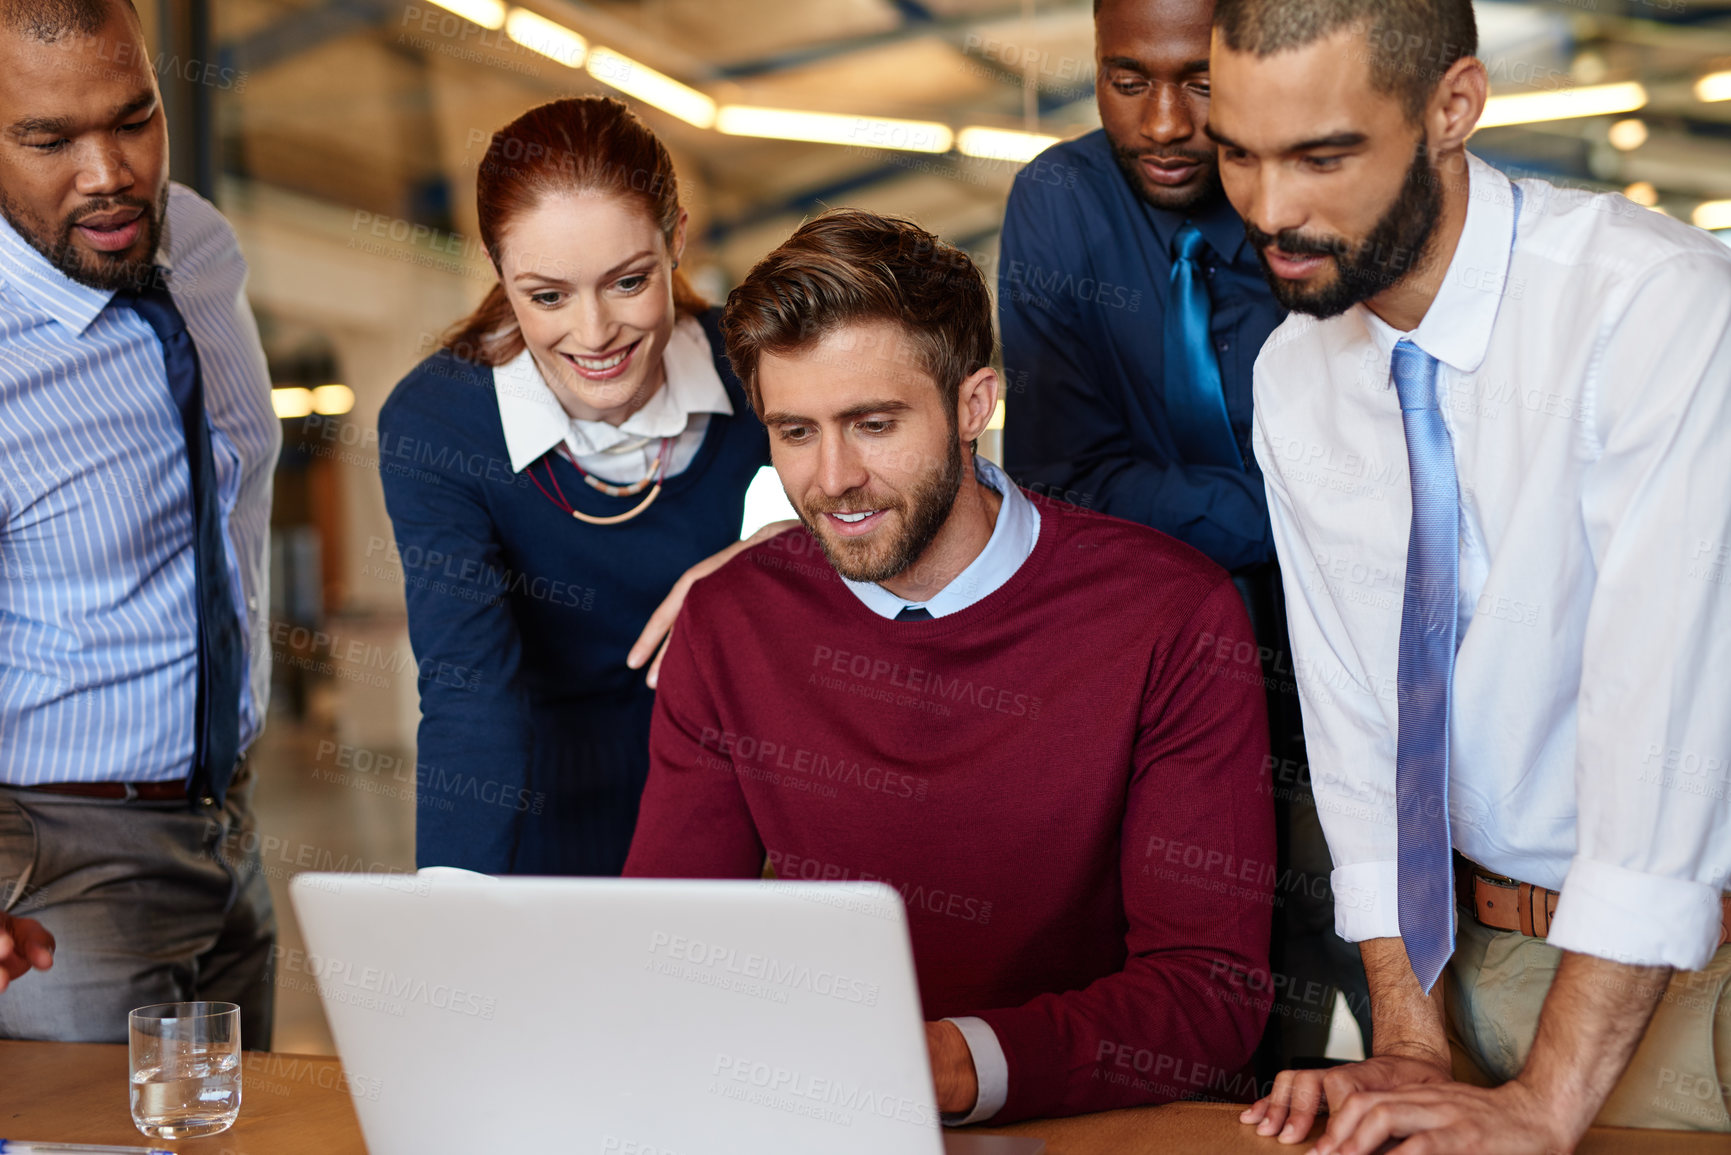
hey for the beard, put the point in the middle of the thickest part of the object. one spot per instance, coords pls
(923, 513)
(98, 270)
(1395, 247)
(1207, 191)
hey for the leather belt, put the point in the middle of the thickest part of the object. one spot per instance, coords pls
(127, 791)
(1504, 903)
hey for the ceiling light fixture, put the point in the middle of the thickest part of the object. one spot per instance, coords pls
(1712, 87)
(539, 34)
(332, 400)
(1003, 143)
(1563, 104)
(1642, 193)
(1628, 135)
(651, 87)
(486, 13)
(834, 128)
(291, 401)
(1713, 215)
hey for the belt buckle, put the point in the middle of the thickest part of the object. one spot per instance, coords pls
(1499, 879)
(131, 794)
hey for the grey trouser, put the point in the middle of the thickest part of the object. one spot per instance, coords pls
(1680, 1075)
(148, 902)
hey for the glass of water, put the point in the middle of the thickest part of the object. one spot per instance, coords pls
(185, 1068)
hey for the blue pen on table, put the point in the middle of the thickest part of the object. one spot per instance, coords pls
(26, 1147)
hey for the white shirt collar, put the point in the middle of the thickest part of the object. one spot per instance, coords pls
(1456, 329)
(1013, 537)
(535, 422)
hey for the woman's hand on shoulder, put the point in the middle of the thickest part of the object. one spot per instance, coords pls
(659, 631)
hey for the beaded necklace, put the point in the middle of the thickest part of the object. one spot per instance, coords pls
(651, 481)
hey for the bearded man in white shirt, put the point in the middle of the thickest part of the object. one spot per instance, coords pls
(1494, 435)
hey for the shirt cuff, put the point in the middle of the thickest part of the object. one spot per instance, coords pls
(991, 1069)
(1366, 901)
(1635, 918)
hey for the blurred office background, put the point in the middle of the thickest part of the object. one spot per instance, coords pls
(341, 138)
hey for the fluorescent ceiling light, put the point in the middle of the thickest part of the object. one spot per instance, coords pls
(1713, 214)
(331, 400)
(835, 128)
(486, 13)
(1563, 104)
(1713, 86)
(539, 34)
(293, 401)
(651, 87)
(1003, 143)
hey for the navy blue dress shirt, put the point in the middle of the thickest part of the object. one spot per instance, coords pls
(1083, 279)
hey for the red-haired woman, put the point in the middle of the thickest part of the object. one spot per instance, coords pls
(576, 446)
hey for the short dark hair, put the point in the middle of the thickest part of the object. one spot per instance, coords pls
(847, 266)
(49, 20)
(1411, 43)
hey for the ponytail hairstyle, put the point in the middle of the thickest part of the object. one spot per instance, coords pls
(593, 145)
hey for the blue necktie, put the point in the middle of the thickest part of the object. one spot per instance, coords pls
(217, 732)
(914, 614)
(1428, 620)
(1195, 401)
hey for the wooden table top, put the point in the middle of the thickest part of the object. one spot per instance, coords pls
(299, 1104)
(77, 1093)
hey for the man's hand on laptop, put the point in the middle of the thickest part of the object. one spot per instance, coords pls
(26, 943)
(952, 1068)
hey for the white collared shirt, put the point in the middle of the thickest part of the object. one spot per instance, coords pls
(535, 422)
(1012, 540)
(1586, 385)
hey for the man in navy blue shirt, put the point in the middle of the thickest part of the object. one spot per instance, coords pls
(1112, 403)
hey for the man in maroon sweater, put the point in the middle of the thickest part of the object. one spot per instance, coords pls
(1044, 727)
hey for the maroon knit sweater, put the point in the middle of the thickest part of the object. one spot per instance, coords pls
(1065, 782)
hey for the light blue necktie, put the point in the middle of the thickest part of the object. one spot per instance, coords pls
(1428, 620)
(1195, 402)
(1429, 636)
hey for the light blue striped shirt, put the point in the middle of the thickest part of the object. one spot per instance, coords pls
(98, 619)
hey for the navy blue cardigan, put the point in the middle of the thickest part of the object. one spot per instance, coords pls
(533, 743)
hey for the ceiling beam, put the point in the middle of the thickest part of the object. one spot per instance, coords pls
(304, 30)
(917, 21)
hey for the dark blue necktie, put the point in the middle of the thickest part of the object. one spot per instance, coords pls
(1429, 618)
(1195, 401)
(914, 614)
(217, 731)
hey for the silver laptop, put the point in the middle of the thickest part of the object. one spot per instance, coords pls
(625, 1016)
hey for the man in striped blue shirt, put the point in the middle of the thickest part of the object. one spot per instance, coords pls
(137, 444)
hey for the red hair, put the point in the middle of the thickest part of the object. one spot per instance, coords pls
(588, 144)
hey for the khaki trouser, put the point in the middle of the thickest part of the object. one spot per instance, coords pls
(1680, 1077)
